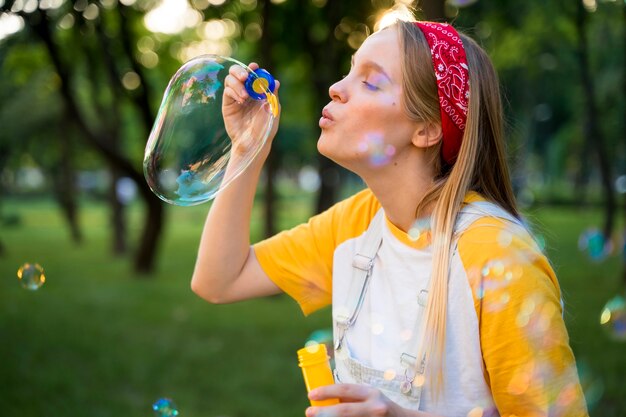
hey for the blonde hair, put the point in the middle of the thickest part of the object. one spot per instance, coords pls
(480, 166)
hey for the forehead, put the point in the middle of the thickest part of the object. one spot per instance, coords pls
(382, 48)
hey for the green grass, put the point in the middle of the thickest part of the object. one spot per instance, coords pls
(96, 340)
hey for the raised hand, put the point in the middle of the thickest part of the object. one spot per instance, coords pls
(245, 119)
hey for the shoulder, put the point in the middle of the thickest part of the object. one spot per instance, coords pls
(502, 259)
(349, 217)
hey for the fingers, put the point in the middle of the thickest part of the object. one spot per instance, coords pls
(234, 89)
(349, 410)
(344, 392)
(356, 400)
(234, 84)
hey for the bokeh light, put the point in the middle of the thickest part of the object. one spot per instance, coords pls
(31, 276)
(378, 152)
(495, 276)
(594, 244)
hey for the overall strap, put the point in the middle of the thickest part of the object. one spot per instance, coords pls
(471, 212)
(362, 265)
(468, 214)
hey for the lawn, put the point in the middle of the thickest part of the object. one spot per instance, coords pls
(97, 340)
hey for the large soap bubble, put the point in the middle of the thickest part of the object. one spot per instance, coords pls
(189, 149)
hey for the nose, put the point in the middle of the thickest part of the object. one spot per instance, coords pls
(338, 92)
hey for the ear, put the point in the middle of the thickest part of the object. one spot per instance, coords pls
(427, 134)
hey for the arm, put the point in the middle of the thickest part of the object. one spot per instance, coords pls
(226, 268)
(529, 364)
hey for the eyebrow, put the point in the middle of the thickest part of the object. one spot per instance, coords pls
(372, 65)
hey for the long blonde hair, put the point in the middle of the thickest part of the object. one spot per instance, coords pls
(480, 166)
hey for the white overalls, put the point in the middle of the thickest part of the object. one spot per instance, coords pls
(378, 307)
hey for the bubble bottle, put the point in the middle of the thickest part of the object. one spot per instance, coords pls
(316, 371)
(188, 151)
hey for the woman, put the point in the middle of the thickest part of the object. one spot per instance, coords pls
(442, 303)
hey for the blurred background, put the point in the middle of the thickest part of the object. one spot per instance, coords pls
(115, 326)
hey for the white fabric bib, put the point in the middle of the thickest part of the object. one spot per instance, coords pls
(383, 331)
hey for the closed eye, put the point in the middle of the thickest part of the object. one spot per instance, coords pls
(369, 86)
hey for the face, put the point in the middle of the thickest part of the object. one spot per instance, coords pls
(365, 125)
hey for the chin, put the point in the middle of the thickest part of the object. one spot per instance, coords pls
(322, 146)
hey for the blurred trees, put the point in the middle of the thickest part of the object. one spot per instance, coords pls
(81, 81)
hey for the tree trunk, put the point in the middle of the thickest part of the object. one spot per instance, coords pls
(146, 252)
(591, 129)
(272, 162)
(4, 159)
(433, 10)
(624, 132)
(118, 218)
(117, 209)
(153, 225)
(65, 186)
(323, 78)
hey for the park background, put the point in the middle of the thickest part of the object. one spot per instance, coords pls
(116, 326)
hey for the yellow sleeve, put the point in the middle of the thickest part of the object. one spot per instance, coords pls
(529, 364)
(300, 260)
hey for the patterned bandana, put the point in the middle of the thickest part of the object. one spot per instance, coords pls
(451, 71)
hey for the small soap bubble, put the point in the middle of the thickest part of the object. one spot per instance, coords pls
(521, 379)
(323, 412)
(419, 380)
(593, 242)
(322, 336)
(389, 374)
(309, 179)
(495, 277)
(613, 318)
(312, 346)
(165, 407)
(620, 184)
(591, 383)
(125, 190)
(379, 153)
(406, 334)
(505, 238)
(31, 276)
(189, 147)
(377, 328)
(541, 242)
(475, 412)
(419, 228)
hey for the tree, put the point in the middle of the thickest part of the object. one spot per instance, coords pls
(592, 133)
(42, 25)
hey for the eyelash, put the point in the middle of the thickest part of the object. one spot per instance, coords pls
(369, 86)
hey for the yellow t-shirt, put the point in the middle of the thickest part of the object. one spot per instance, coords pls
(528, 365)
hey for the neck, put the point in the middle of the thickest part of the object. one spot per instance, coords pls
(399, 187)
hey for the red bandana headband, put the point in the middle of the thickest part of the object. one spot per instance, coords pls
(451, 71)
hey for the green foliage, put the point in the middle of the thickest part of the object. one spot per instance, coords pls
(533, 45)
